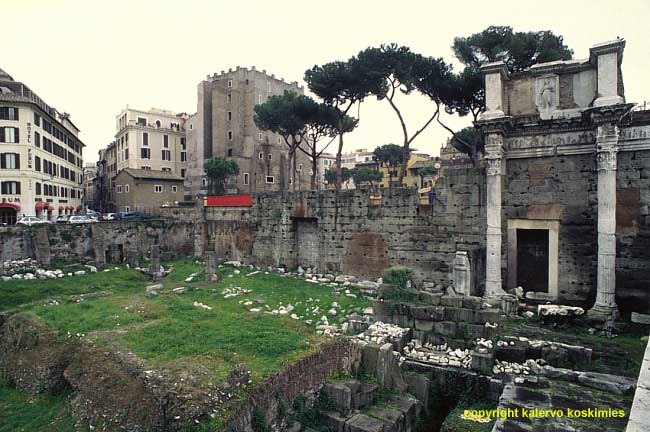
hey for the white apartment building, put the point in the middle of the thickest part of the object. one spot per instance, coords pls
(40, 156)
(152, 140)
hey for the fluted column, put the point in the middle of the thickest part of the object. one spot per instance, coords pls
(607, 147)
(494, 157)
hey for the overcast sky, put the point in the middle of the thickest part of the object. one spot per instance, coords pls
(92, 58)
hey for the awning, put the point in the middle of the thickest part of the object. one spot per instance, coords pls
(40, 206)
(78, 208)
(61, 208)
(10, 205)
(69, 208)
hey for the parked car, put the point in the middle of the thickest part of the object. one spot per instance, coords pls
(81, 219)
(133, 216)
(29, 221)
(62, 219)
(109, 217)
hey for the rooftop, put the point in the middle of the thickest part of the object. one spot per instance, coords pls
(152, 174)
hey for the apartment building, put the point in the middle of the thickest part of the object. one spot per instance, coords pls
(40, 156)
(223, 126)
(152, 140)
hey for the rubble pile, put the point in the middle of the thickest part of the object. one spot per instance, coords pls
(234, 292)
(381, 333)
(531, 366)
(440, 355)
(19, 266)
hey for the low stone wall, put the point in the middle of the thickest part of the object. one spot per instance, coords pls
(301, 377)
(106, 242)
(438, 319)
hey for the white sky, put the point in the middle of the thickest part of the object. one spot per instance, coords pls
(91, 58)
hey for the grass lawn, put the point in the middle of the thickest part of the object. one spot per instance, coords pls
(21, 412)
(172, 331)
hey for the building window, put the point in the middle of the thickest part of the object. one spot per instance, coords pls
(183, 144)
(230, 83)
(9, 161)
(261, 155)
(126, 208)
(279, 140)
(174, 189)
(145, 139)
(118, 188)
(191, 126)
(37, 139)
(270, 156)
(10, 188)
(229, 152)
(183, 172)
(8, 113)
(126, 188)
(229, 116)
(158, 188)
(158, 124)
(183, 156)
(229, 97)
(145, 168)
(37, 163)
(38, 189)
(268, 87)
(166, 141)
(229, 135)
(246, 178)
(166, 155)
(260, 136)
(204, 182)
(8, 134)
(259, 99)
(142, 121)
(299, 167)
(166, 169)
(37, 119)
(270, 179)
(145, 153)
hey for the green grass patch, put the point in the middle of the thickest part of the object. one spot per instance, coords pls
(22, 412)
(456, 423)
(18, 292)
(171, 331)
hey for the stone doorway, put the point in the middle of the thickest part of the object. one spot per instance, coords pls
(532, 259)
(306, 231)
(533, 256)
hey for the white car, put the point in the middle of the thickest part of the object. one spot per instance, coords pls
(29, 221)
(81, 219)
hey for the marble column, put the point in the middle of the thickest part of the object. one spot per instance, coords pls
(495, 166)
(607, 146)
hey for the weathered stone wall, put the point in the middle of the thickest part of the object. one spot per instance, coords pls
(349, 235)
(561, 188)
(298, 378)
(107, 240)
(565, 188)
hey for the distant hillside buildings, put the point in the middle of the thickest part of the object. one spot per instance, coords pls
(41, 156)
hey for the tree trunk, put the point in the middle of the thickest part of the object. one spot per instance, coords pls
(315, 185)
(405, 156)
(338, 157)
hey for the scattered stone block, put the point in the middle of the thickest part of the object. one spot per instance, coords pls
(153, 290)
(639, 318)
